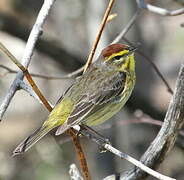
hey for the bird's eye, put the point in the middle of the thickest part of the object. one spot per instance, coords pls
(118, 57)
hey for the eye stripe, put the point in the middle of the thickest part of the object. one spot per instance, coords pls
(121, 53)
(117, 57)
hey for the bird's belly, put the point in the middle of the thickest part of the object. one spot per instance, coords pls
(102, 115)
(108, 111)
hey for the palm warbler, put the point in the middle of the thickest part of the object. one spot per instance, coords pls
(94, 97)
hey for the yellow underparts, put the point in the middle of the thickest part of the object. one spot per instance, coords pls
(129, 64)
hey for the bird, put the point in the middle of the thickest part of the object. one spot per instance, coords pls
(94, 97)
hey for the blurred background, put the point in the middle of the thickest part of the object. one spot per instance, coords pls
(64, 47)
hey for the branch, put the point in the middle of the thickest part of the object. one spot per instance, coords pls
(158, 10)
(139, 118)
(29, 90)
(80, 153)
(136, 163)
(127, 27)
(102, 26)
(35, 32)
(120, 154)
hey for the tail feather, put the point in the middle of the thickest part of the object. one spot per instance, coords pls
(62, 129)
(31, 140)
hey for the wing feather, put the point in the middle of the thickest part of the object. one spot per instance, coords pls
(106, 92)
(95, 95)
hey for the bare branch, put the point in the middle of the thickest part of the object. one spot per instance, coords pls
(80, 154)
(29, 90)
(102, 26)
(122, 155)
(7, 99)
(35, 32)
(136, 163)
(28, 76)
(127, 27)
(158, 10)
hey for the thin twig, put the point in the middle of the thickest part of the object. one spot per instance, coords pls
(136, 163)
(102, 26)
(28, 76)
(158, 10)
(139, 119)
(80, 153)
(35, 32)
(127, 27)
(48, 77)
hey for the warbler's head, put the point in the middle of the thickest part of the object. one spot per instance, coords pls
(120, 56)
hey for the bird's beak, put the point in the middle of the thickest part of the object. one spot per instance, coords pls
(134, 48)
